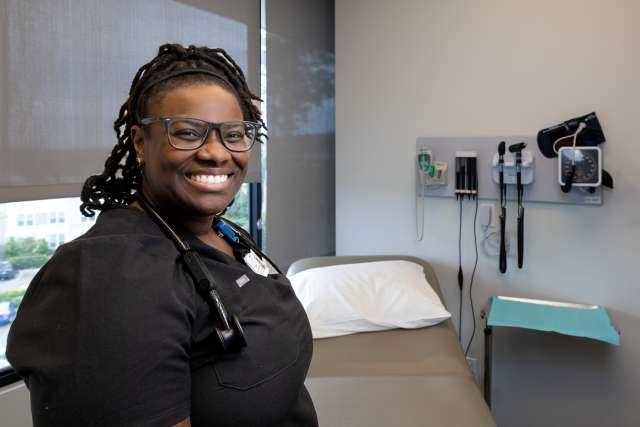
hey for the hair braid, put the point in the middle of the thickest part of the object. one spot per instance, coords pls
(121, 178)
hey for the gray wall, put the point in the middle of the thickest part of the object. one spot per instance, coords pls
(300, 214)
(501, 67)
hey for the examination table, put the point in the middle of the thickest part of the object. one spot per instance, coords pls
(400, 377)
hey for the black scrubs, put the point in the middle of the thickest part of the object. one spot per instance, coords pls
(112, 332)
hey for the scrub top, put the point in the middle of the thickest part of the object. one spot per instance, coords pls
(112, 332)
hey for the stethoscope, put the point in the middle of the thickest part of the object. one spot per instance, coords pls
(227, 326)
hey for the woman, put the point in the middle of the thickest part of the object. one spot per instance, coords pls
(116, 329)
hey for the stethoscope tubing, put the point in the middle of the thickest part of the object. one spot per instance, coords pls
(229, 329)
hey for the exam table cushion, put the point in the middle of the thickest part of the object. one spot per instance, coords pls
(369, 296)
(426, 351)
(406, 401)
(398, 377)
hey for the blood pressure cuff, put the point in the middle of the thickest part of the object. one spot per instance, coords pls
(591, 136)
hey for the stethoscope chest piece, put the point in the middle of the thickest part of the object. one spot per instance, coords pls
(232, 339)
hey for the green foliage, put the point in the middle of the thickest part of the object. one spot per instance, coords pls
(28, 261)
(15, 295)
(239, 211)
(42, 248)
(11, 248)
(27, 246)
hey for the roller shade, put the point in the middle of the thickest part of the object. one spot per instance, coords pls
(66, 68)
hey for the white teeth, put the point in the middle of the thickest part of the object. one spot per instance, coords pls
(210, 179)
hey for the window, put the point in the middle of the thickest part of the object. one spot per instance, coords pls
(26, 246)
(55, 240)
(81, 74)
(56, 217)
(239, 211)
(23, 220)
(24, 250)
(41, 218)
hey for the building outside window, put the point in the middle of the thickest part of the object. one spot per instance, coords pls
(41, 218)
(56, 217)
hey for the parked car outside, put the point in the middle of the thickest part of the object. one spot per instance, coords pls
(8, 310)
(7, 271)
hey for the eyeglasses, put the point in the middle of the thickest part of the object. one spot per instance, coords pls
(186, 133)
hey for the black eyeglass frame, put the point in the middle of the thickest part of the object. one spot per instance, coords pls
(166, 121)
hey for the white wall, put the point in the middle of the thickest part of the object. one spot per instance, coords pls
(499, 67)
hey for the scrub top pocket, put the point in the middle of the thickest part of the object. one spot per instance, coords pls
(249, 368)
(274, 330)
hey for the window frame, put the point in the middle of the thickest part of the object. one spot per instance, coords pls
(9, 376)
(255, 213)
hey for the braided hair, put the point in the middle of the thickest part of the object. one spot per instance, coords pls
(119, 183)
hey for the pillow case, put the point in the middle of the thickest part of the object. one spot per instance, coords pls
(369, 296)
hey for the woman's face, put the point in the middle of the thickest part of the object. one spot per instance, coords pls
(170, 176)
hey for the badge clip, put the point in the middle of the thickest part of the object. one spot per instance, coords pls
(256, 263)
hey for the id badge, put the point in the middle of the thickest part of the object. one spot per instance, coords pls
(256, 263)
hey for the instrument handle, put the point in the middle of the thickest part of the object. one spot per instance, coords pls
(521, 237)
(503, 249)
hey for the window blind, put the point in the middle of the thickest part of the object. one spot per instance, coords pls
(66, 68)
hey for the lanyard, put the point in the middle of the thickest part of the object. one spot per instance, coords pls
(239, 238)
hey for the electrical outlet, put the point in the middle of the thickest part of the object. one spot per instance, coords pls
(474, 365)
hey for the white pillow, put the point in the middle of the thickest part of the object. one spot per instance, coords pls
(372, 296)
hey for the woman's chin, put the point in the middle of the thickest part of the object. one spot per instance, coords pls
(209, 208)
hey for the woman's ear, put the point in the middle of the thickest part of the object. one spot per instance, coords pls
(137, 137)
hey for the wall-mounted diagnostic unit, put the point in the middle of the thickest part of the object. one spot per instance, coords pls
(512, 171)
(539, 175)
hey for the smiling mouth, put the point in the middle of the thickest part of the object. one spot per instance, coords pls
(204, 179)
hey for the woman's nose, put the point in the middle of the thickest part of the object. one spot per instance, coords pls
(213, 149)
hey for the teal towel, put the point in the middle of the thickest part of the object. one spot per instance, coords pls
(593, 323)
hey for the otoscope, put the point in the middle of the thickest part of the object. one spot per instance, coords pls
(503, 209)
(517, 149)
